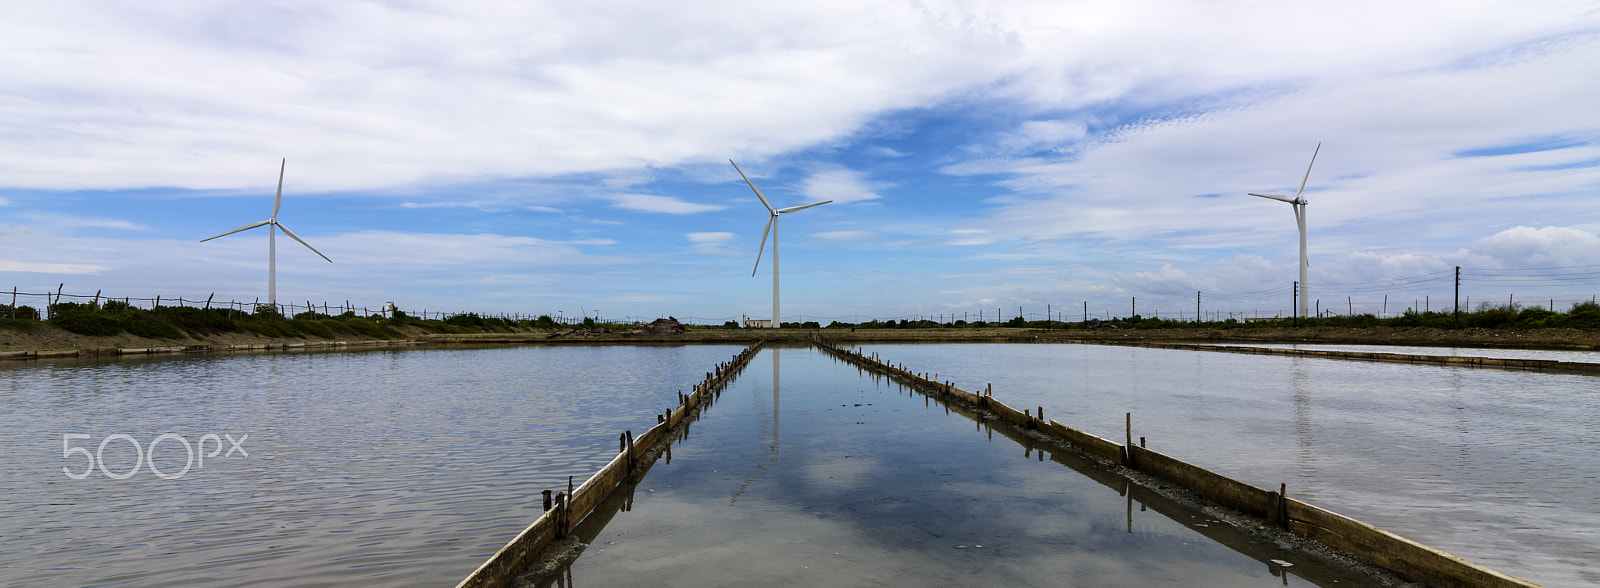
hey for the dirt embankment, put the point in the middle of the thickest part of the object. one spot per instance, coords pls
(45, 337)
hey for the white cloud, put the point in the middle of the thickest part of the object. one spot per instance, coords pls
(7, 265)
(712, 243)
(1168, 281)
(842, 186)
(72, 221)
(969, 237)
(664, 204)
(844, 236)
(1527, 247)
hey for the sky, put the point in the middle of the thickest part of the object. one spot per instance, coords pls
(567, 158)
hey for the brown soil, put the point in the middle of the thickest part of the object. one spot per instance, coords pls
(43, 337)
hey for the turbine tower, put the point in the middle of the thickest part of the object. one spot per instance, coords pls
(273, 225)
(1299, 205)
(772, 225)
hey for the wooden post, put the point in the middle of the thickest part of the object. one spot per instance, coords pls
(96, 300)
(1127, 450)
(547, 501)
(208, 300)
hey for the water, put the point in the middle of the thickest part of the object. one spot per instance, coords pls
(807, 472)
(1499, 467)
(413, 466)
(381, 467)
(1573, 356)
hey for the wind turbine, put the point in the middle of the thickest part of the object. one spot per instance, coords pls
(272, 225)
(1299, 205)
(772, 225)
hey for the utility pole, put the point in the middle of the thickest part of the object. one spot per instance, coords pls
(1086, 312)
(1458, 297)
(1197, 307)
(1295, 311)
(1135, 306)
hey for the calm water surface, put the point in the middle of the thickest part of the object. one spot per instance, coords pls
(1499, 467)
(404, 467)
(807, 472)
(1574, 356)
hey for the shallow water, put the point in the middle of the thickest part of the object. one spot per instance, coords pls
(808, 472)
(1499, 467)
(377, 467)
(1574, 356)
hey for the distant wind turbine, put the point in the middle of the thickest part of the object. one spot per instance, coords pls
(772, 225)
(1299, 205)
(272, 225)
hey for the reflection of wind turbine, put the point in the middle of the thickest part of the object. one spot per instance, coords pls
(775, 363)
(772, 225)
(272, 225)
(1299, 205)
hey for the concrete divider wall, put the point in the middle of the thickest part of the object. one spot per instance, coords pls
(1409, 559)
(568, 509)
(1541, 365)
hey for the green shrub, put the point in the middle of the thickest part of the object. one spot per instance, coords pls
(271, 329)
(23, 312)
(199, 320)
(144, 324)
(366, 328)
(314, 328)
(335, 326)
(87, 323)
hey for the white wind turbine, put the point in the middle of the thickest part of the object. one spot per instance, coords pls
(272, 225)
(772, 225)
(1299, 205)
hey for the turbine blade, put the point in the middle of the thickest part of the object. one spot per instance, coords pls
(763, 243)
(291, 235)
(753, 187)
(794, 208)
(243, 228)
(1308, 171)
(1274, 197)
(279, 201)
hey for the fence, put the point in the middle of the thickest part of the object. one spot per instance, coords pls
(42, 306)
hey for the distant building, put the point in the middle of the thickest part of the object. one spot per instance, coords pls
(758, 323)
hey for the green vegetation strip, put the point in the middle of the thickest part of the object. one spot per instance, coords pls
(566, 510)
(1409, 559)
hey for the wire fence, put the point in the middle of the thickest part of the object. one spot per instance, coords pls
(1558, 289)
(44, 305)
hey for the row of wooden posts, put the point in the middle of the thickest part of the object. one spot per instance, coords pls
(1409, 559)
(51, 299)
(564, 510)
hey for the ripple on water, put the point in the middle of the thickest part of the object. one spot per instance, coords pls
(414, 464)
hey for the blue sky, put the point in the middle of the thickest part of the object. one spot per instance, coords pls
(566, 157)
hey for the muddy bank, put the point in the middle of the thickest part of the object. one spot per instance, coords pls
(1557, 339)
(45, 337)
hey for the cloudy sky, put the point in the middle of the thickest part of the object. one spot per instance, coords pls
(541, 157)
